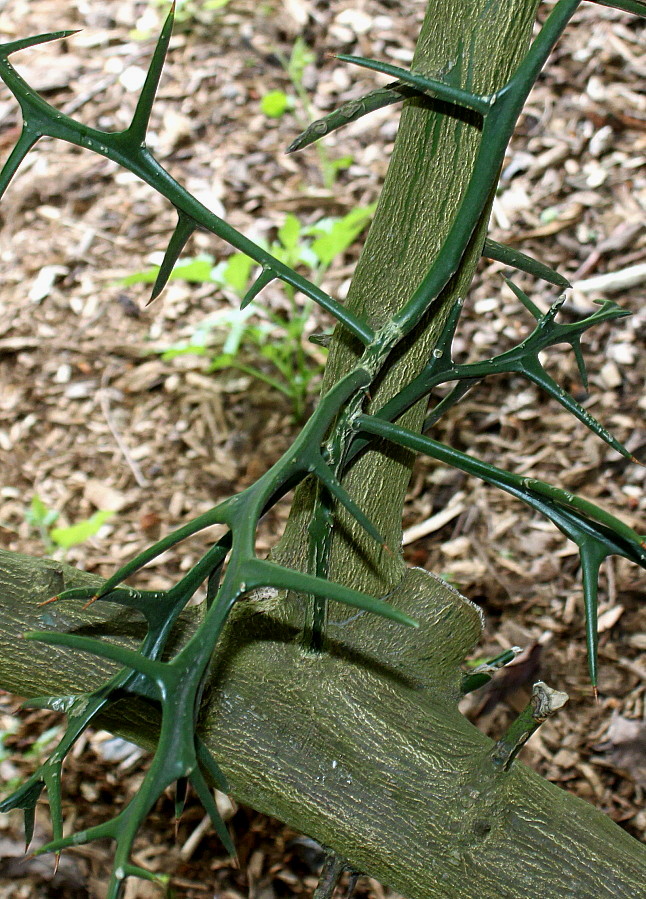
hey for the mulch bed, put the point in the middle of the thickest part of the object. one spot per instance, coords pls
(91, 416)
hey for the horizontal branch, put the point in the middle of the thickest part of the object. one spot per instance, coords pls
(362, 748)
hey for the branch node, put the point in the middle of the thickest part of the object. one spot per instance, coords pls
(544, 703)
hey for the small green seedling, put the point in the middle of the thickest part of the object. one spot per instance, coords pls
(275, 104)
(42, 518)
(281, 356)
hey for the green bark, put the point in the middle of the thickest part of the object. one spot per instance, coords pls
(427, 177)
(363, 748)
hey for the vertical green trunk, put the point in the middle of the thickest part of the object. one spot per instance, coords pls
(475, 45)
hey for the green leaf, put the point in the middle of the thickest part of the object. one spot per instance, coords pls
(300, 57)
(197, 270)
(81, 531)
(289, 232)
(237, 271)
(339, 234)
(39, 515)
(275, 104)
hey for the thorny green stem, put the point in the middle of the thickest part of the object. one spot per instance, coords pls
(324, 449)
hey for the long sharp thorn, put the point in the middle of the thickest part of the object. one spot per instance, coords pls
(260, 573)
(185, 227)
(396, 92)
(632, 6)
(265, 277)
(524, 299)
(24, 144)
(26, 42)
(139, 125)
(438, 89)
(533, 369)
(524, 263)
(342, 496)
(591, 559)
(580, 361)
(127, 657)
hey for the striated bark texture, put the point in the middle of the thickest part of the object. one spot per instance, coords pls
(363, 748)
(476, 45)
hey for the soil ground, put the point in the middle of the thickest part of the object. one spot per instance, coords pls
(93, 418)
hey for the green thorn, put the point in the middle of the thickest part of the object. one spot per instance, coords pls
(139, 125)
(127, 657)
(632, 6)
(440, 89)
(508, 256)
(26, 42)
(524, 299)
(396, 92)
(185, 227)
(206, 798)
(265, 277)
(580, 361)
(259, 573)
(332, 483)
(23, 145)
